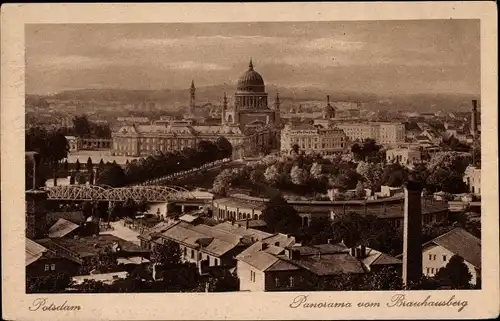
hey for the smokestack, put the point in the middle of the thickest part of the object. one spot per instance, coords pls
(34, 157)
(473, 125)
(412, 237)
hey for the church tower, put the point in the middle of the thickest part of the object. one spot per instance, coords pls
(192, 101)
(277, 103)
(329, 110)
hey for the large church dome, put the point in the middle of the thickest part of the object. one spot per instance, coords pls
(251, 81)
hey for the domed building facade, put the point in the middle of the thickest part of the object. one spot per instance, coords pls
(249, 125)
(250, 109)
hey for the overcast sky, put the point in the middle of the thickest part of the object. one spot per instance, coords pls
(387, 57)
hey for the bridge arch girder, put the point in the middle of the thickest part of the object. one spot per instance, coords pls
(77, 192)
(137, 193)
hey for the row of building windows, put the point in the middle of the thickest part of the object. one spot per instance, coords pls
(291, 282)
(192, 255)
(432, 257)
(431, 271)
(50, 267)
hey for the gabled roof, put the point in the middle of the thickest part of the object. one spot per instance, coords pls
(460, 242)
(62, 228)
(260, 260)
(34, 251)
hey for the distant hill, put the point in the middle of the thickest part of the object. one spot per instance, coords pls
(214, 94)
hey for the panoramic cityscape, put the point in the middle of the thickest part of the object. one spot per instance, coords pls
(284, 156)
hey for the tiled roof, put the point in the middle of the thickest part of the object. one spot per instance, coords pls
(89, 246)
(234, 202)
(158, 228)
(260, 260)
(218, 239)
(62, 228)
(461, 242)
(328, 264)
(241, 230)
(374, 257)
(34, 251)
(281, 265)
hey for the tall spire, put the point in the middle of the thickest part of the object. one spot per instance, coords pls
(250, 65)
(225, 100)
(328, 100)
(192, 84)
(277, 102)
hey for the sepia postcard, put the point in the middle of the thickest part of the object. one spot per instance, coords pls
(270, 161)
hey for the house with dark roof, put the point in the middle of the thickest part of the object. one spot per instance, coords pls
(438, 252)
(209, 247)
(41, 261)
(84, 250)
(63, 228)
(286, 266)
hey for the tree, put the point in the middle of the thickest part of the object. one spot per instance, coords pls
(280, 216)
(316, 171)
(387, 278)
(256, 176)
(295, 149)
(356, 229)
(223, 181)
(272, 175)
(81, 126)
(52, 283)
(77, 165)
(366, 149)
(89, 165)
(360, 190)
(166, 255)
(346, 179)
(104, 262)
(455, 275)
(299, 175)
(113, 175)
(456, 161)
(208, 151)
(129, 208)
(319, 230)
(224, 146)
(363, 168)
(446, 180)
(394, 175)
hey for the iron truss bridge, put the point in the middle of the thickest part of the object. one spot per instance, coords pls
(106, 193)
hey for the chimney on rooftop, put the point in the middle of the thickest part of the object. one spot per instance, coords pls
(362, 251)
(357, 252)
(412, 229)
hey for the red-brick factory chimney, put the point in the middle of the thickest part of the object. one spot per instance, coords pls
(412, 237)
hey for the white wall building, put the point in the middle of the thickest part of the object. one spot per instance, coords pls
(311, 139)
(403, 156)
(389, 134)
(472, 177)
(437, 253)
